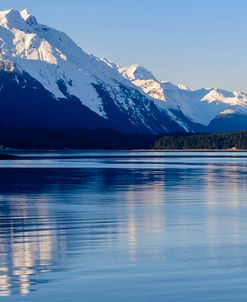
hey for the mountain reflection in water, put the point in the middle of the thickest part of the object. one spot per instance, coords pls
(148, 224)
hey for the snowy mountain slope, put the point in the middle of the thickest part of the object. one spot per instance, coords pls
(200, 106)
(60, 85)
(66, 71)
(24, 102)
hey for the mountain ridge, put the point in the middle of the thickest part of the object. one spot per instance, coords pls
(180, 97)
(128, 99)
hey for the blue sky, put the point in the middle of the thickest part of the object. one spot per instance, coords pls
(194, 42)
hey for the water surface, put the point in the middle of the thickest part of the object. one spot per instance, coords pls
(123, 226)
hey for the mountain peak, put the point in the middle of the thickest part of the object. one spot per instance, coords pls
(9, 14)
(11, 18)
(125, 96)
(136, 72)
(29, 19)
(25, 13)
(8, 11)
(15, 18)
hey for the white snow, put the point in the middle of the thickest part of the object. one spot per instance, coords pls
(200, 106)
(227, 111)
(49, 55)
(136, 72)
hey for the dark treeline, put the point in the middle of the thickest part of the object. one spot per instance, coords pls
(21, 138)
(222, 141)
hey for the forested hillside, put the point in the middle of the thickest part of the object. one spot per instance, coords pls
(237, 140)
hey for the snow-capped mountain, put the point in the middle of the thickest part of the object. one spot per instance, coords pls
(212, 108)
(46, 80)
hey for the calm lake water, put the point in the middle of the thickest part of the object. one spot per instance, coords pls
(124, 226)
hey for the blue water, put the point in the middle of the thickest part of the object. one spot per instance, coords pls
(123, 226)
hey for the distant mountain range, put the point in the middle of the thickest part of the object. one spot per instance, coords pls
(47, 81)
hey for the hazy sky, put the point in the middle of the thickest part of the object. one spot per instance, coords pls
(194, 42)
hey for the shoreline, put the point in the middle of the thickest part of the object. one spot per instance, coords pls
(10, 154)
